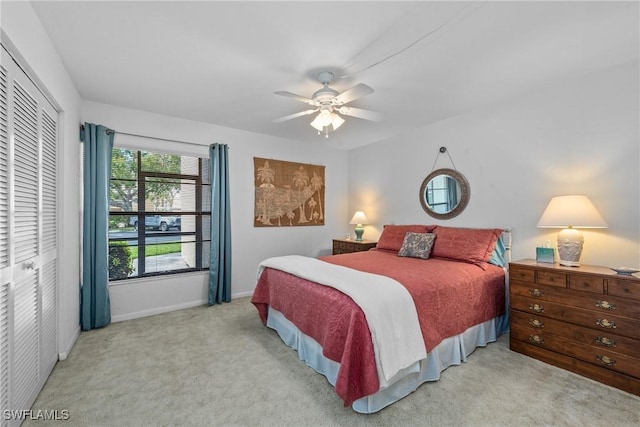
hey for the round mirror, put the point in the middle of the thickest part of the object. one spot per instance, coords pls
(444, 193)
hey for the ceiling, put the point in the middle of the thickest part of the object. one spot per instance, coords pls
(221, 62)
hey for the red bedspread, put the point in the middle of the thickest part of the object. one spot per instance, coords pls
(329, 317)
(450, 297)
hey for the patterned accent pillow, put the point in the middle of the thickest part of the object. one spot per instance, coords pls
(417, 245)
(393, 235)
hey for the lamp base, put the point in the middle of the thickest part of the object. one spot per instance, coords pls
(359, 230)
(570, 243)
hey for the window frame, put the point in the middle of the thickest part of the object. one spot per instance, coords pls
(142, 234)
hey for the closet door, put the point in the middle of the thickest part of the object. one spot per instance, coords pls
(4, 241)
(4, 164)
(28, 256)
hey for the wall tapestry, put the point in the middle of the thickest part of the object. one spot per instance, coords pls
(287, 194)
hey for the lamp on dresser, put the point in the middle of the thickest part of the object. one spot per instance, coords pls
(359, 218)
(569, 213)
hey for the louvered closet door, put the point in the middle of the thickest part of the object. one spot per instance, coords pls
(28, 256)
(4, 242)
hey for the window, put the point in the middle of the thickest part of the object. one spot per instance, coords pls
(159, 215)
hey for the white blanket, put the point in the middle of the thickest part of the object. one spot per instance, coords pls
(387, 305)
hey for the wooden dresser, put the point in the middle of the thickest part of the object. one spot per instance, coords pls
(343, 246)
(584, 319)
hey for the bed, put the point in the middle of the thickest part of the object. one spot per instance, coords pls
(378, 324)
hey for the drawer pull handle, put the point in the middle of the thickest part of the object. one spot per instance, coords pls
(605, 342)
(535, 339)
(606, 361)
(605, 305)
(536, 323)
(536, 292)
(604, 323)
(537, 308)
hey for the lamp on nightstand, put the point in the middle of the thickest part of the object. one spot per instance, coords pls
(568, 212)
(358, 219)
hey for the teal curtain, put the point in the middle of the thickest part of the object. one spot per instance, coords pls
(95, 308)
(220, 262)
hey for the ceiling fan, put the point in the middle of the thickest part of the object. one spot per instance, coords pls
(329, 102)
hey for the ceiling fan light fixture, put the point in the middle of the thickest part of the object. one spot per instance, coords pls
(329, 102)
(317, 123)
(336, 121)
(325, 117)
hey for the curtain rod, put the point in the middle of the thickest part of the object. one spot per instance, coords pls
(111, 131)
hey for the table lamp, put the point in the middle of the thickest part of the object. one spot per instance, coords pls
(569, 213)
(358, 219)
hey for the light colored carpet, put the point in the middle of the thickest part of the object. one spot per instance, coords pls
(211, 366)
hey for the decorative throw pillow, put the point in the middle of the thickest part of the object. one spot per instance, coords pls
(473, 245)
(417, 245)
(393, 235)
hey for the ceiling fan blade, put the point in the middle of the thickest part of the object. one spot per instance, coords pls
(358, 91)
(360, 113)
(294, 96)
(294, 115)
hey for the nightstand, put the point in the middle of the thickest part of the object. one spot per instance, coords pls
(342, 246)
(583, 319)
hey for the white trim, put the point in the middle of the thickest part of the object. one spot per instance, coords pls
(18, 59)
(64, 354)
(153, 279)
(242, 294)
(167, 309)
(139, 143)
(157, 310)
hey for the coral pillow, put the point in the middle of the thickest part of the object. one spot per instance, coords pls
(393, 235)
(473, 245)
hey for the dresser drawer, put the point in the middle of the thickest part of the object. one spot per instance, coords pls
(624, 288)
(524, 274)
(551, 278)
(602, 357)
(349, 246)
(604, 322)
(585, 283)
(598, 339)
(598, 303)
(340, 247)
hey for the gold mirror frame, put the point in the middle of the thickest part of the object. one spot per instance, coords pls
(464, 193)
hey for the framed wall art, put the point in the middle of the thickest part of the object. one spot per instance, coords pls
(288, 194)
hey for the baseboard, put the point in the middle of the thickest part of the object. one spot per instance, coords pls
(160, 310)
(241, 294)
(157, 310)
(62, 355)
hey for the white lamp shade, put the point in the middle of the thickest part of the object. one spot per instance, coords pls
(574, 211)
(359, 218)
(336, 121)
(317, 123)
(327, 118)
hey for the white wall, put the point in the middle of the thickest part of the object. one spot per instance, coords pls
(580, 137)
(250, 245)
(22, 29)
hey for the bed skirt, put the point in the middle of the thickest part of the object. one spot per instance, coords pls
(451, 351)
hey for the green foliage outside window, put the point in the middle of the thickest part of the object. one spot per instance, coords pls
(120, 260)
